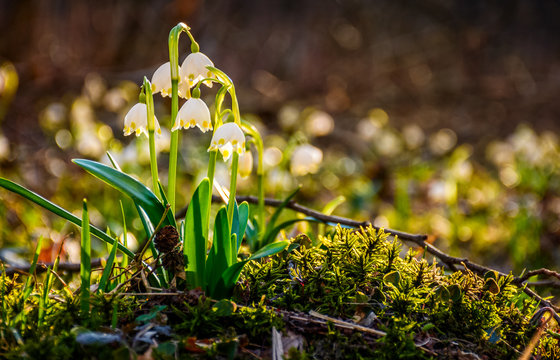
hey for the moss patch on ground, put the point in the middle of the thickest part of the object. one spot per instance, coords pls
(357, 294)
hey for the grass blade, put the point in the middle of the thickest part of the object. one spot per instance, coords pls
(27, 288)
(113, 161)
(275, 216)
(3, 293)
(124, 262)
(272, 234)
(108, 268)
(57, 210)
(44, 299)
(328, 210)
(85, 263)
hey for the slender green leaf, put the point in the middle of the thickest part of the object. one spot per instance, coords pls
(113, 161)
(138, 192)
(44, 299)
(161, 270)
(272, 234)
(3, 293)
(124, 262)
(146, 223)
(195, 241)
(156, 281)
(269, 249)
(85, 263)
(233, 249)
(278, 211)
(235, 221)
(252, 233)
(328, 210)
(57, 210)
(333, 204)
(240, 219)
(108, 268)
(219, 258)
(163, 197)
(27, 288)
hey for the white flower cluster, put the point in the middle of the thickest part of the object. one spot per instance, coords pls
(228, 138)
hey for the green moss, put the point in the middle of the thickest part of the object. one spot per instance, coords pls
(355, 276)
(355, 273)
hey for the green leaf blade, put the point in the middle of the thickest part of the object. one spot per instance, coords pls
(57, 210)
(138, 192)
(108, 268)
(195, 240)
(220, 254)
(85, 262)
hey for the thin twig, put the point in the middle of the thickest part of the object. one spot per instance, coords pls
(347, 324)
(542, 271)
(315, 214)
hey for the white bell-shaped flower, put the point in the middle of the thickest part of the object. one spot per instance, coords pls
(194, 69)
(228, 138)
(305, 160)
(245, 164)
(161, 82)
(193, 113)
(136, 121)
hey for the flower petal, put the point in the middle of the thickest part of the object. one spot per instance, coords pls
(136, 120)
(194, 69)
(161, 80)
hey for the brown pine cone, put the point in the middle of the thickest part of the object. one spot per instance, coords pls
(166, 239)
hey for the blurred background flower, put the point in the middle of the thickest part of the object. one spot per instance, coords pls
(432, 117)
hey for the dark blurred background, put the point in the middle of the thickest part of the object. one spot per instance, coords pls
(446, 113)
(477, 67)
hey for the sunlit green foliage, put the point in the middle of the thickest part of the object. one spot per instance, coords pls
(355, 274)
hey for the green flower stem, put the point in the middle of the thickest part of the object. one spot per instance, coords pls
(211, 171)
(218, 103)
(151, 135)
(232, 188)
(173, 43)
(214, 153)
(235, 105)
(224, 79)
(173, 147)
(252, 130)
